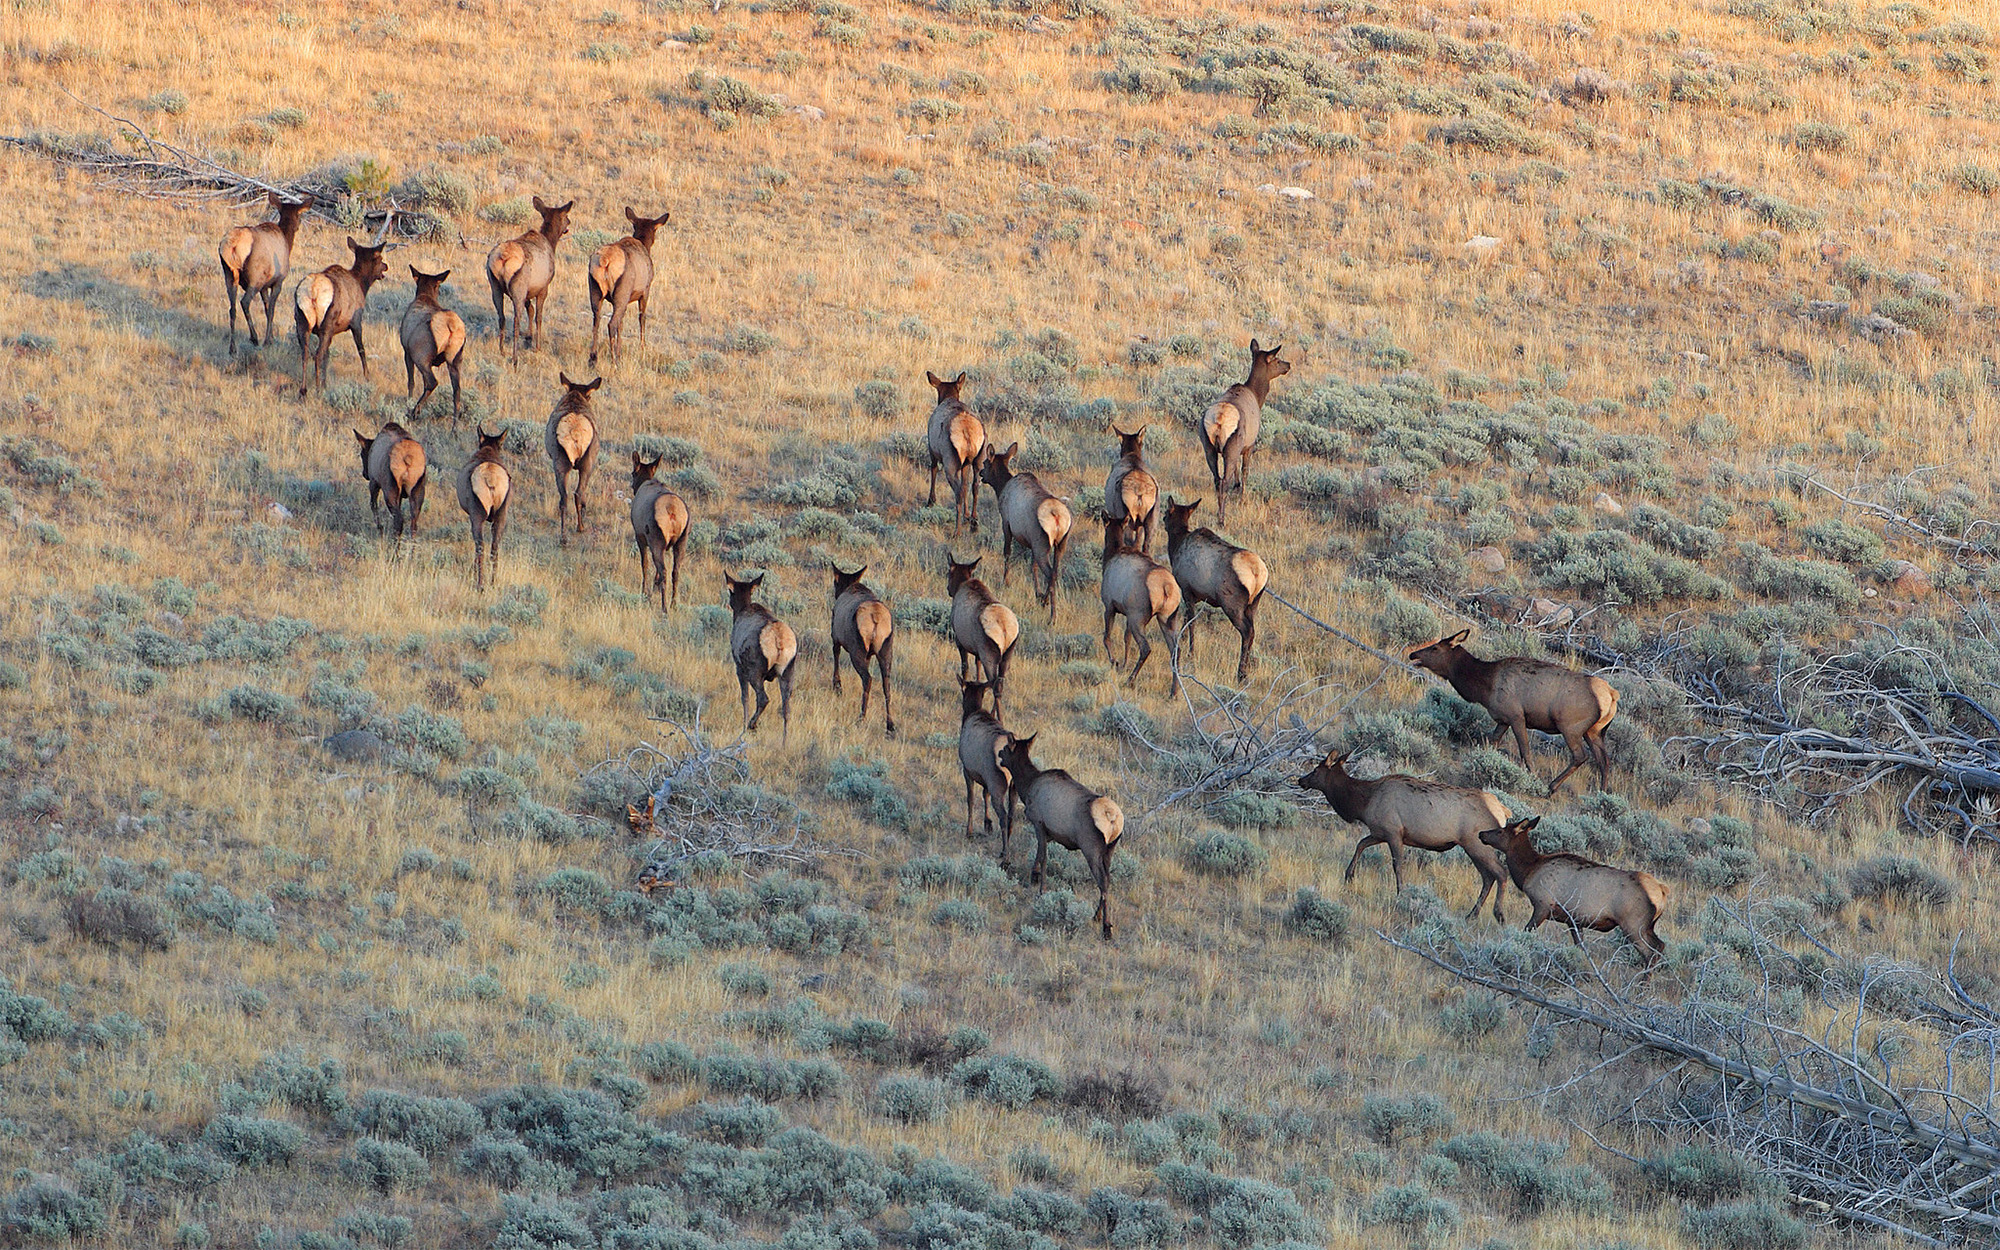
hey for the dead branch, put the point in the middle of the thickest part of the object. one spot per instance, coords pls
(1960, 545)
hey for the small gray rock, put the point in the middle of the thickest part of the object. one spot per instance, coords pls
(359, 746)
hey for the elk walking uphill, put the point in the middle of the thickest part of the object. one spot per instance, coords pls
(396, 469)
(255, 260)
(1064, 811)
(484, 490)
(955, 439)
(331, 303)
(981, 740)
(1582, 893)
(622, 272)
(1525, 694)
(1130, 492)
(521, 270)
(1212, 570)
(764, 649)
(1405, 811)
(1142, 590)
(659, 525)
(1230, 426)
(863, 628)
(571, 441)
(1030, 516)
(982, 627)
(433, 335)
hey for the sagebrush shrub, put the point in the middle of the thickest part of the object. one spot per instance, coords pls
(913, 1100)
(1313, 916)
(252, 1142)
(1222, 854)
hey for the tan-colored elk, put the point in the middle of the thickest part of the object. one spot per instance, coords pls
(521, 270)
(1130, 491)
(396, 469)
(982, 627)
(1230, 426)
(1582, 893)
(571, 441)
(1212, 570)
(255, 260)
(1031, 515)
(1408, 812)
(863, 628)
(331, 303)
(764, 649)
(1064, 811)
(659, 525)
(485, 488)
(622, 272)
(1142, 590)
(1524, 694)
(433, 335)
(955, 439)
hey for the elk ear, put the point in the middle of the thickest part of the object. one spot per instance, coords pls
(275, 200)
(1337, 757)
(661, 220)
(933, 378)
(960, 378)
(631, 216)
(563, 208)
(564, 378)
(1458, 639)
(353, 245)
(361, 438)
(594, 384)
(539, 206)
(1254, 349)
(1011, 449)
(415, 274)
(442, 276)
(637, 460)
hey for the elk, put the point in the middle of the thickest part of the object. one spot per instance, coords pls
(862, 627)
(255, 260)
(764, 648)
(330, 303)
(622, 272)
(571, 441)
(981, 740)
(1525, 694)
(1142, 590)
(982, 627)
(522, 268)
(1130, 492)
(433, 335)
(484, 490)
(1405, 811)
(1214, 571)
(659, 525)
(955, 439)
(1229, 428)
(1031, 516)
(1064, 811)
(394, 464)
(1582, 893)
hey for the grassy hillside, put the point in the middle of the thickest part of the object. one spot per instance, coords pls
(1570, 289)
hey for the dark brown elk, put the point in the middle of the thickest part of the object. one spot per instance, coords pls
(255, 260)
(983, 628)
(622, 272)
(1130, 492)
(484, 490)
(394, 464)
(863, 628)
(330, 303)
(764, 649)
(1064, 811)
(981, 739)
(571, 441)
(1212, 570)
(1408, 812)
(1031, 516)
(1229, 428)
(1582, 893)
(521, 270)
(433, 335)
(1142, 590)
(659, 525)
(955, 439)
(1524, 694)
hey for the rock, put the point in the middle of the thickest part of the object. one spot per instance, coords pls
(359, 746)
(673, 45)
(1361, 185)
(1695, 358)
(1488, 559)
(1868, 592)
(1296, 193)
(1607, 505)
(810, 112)
(1549, 614)
(1480, 244)
(1906, 578)
(280, 512)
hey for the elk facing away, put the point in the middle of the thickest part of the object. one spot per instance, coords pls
(659, 525)
(1030, 516)
(571, 441)
(1130, 492)
(330, 303)
(394, 464)
(522, 268)
(955, 439)
(1142, 590)
(1404, 811)
(1525, 694)
(1214, 571)
(981, 740)
(862, 627)
(622, 272)
(255, 260)
(1064, 811)
(433, 335)
(764, 649)
(1582, 893)
(484, 490)
(1229, 428)
(982, 627)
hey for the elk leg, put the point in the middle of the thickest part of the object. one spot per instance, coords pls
(583, 472)
(457, 396)
(932, 501)
(562, 506)
(597, 299)
(1172, 634)
(416, 498)
(964, 664)
(229, 298)
(499, 525)
(410, 379)
(679, 544)
(1102, 871)
(1247, 626)
(1540, 914)
(1396, 861)
(375, 506)
(360, 347)
(1520, 727)
(1492, 876)
(271, 294)
(430, 385)
(749, 721)
(614, 330)
(1596, 740)
(867, 684)
(1578, 757)
(393, 496)
(785, 699)
(1041, 859)
(968, 807)
(885, 660)
(1109, 614)
(1369, 840)
(642, 319)
(660, 573)
(836, 648)
(478, 554)
(1006, 551)
(499, 294)
(1145, 651)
